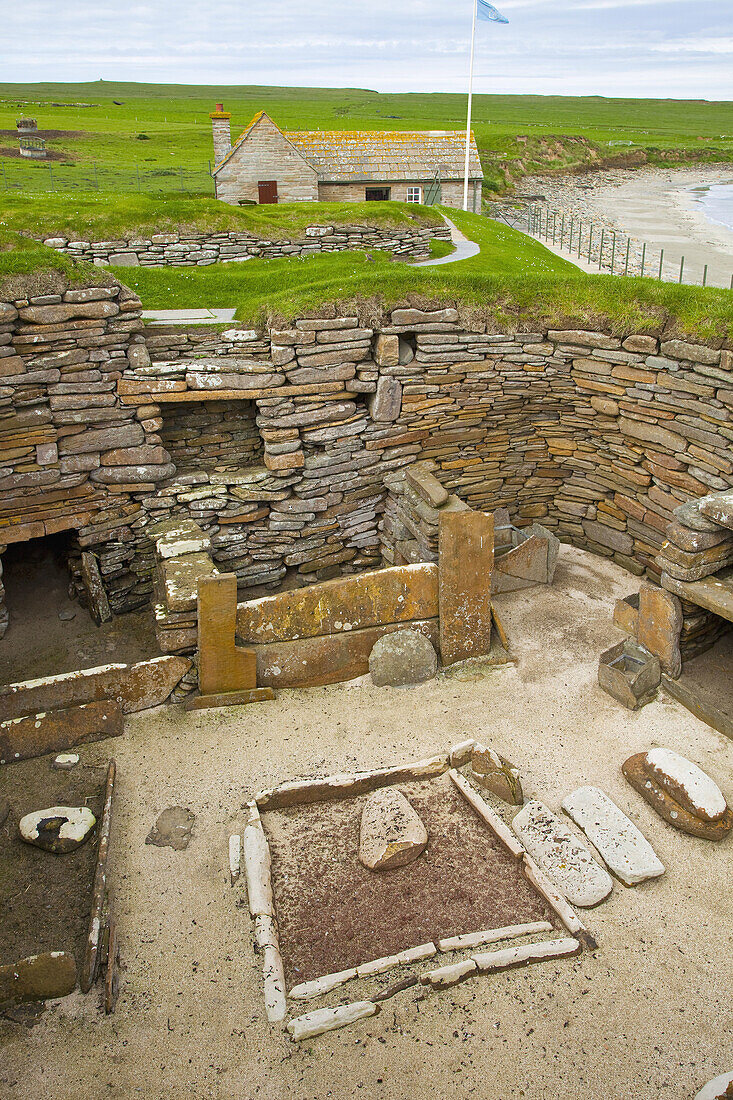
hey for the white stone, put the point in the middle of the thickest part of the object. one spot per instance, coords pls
(274, 979)
(705, 797)
(257, 869)
(492, 819)
(624, 849)
(493, 935)
(235, 857)
(240, 335)
(563, 857)
(78, 821)
(306, 991)
(402, 958)
(528, 952)
(448, 975)
(65, 761)
(329, 1019)
(460, 754)
(391, 832)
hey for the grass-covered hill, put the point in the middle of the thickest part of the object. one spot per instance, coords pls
(162, 132)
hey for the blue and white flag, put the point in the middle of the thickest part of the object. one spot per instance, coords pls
(489, 13)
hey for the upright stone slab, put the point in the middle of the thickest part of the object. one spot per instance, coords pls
(224, 669)
(466, 559)
(56, 731)
(94, 588)
(660, 626)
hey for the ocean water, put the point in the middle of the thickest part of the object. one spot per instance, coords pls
(716, 201)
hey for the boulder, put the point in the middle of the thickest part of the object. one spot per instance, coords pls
(391, 833)
(497, 775)
(403, 657)
(58, 829)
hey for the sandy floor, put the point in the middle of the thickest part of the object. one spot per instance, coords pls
(654, 205)
(648, 1016)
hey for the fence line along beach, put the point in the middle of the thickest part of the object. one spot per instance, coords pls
(655, 220)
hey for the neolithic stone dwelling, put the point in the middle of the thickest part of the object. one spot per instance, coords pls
(269, 165)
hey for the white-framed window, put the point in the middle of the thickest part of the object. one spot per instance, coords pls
(414, 194)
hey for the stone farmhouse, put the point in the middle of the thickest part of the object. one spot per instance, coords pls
(269, 165)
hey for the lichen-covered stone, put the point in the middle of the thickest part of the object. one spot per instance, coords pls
(402, 658)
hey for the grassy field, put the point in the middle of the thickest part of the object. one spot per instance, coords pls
(514, 283)
(126, 137)
(103, 217)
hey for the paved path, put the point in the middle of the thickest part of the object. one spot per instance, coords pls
(190, 316)
(465, 249)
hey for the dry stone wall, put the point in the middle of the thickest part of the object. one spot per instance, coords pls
(203, 249)
(596, 438)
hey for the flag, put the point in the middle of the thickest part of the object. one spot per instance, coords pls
(489, 13)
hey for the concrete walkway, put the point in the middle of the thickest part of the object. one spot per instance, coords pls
(189, 316)
(465, 249)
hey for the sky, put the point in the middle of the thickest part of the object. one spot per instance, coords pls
(660, 48)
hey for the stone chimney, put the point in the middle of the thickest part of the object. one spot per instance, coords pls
(221, 131)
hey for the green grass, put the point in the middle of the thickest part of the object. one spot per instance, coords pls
(106, 217)
(515, 134)
(439, 249)
(513, 284)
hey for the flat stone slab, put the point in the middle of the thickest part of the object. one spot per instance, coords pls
(497, 775)
(718, 507)
(190, 316)
(182, 577)
(691, 515)
(57, 829)
(713, 593)
(38, 977)
(391, 832)
(624, 849)
(563, 857)
(637, 771)
(172, 829)
(58, 730)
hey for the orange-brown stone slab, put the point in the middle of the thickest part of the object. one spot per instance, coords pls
(56, 731)
(346, 604)
(38, 977)
(637, 773)
(331, 659)
(222, 666)
(466, 558)
(136, 687)
(660, 626)
(230, 698)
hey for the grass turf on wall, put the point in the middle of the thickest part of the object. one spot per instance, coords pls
(161, 128)
(513, 284)
(104, 217)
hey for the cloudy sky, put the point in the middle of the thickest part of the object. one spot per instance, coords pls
(668, 48)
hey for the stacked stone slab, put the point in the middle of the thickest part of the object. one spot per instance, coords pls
(596, 438)
(202, 249)
(409, 529)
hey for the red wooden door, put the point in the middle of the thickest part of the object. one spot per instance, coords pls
(267, 190)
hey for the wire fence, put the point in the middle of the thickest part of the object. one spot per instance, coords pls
(46, 177)
(598, 247)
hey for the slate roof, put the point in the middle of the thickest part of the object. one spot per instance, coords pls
(342, 156)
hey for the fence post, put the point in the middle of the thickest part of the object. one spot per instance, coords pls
(661, 261)
(600, 251)
(590, 241)
(705, 275)
(643, 259)
(682, 268)
(570, 246)
(613, 254)
(628, 247)
(562, 230)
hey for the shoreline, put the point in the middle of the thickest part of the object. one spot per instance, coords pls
(652, 206)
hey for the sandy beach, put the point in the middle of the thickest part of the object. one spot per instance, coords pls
(661, 208)
(646, 1017)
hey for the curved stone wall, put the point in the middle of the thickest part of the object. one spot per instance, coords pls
(597, 438)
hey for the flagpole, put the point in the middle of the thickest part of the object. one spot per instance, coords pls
(470, 100)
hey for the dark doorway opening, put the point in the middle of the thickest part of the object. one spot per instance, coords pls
(267, 191)
(49, 631)
(378, 194)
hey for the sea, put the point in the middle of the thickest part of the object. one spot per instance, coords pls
(716, 201)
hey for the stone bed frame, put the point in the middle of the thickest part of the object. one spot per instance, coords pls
(253, 846)
(191, 249)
